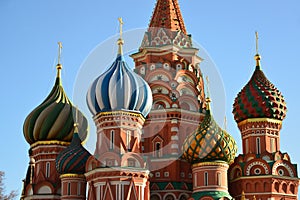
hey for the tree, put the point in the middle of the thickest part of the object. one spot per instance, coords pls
(3, 196)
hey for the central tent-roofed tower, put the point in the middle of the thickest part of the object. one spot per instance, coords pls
(169, 63)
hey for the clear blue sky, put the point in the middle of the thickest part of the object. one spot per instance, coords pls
(28, 50)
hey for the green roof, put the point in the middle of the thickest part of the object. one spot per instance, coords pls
(213, 194)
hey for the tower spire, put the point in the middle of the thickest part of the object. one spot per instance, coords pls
(167, 15)
(59, 65)
(257, 56)
(120, 40)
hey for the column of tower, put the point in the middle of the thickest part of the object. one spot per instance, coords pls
(49, 130)
(120, 100)
(169, 63)
(210, 150)
(262, 170)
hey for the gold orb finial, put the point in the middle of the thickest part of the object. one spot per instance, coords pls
(257, 57)
(59, 65)
(76, 121)
(208, 100)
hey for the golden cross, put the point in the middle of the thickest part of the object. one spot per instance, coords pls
(256, 35)
(121, 26)
(59, 51)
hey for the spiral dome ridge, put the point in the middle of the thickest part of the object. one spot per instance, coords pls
(209, 143)
(53, 119)
(119, 88)
(259, 99)
(72, 159)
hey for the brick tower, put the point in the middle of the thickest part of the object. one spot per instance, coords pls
(169, 63)
(120, 100)
(262, 170)
(49, 130)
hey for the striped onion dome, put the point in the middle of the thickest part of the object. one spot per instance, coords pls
(119, 88)
(259, 98)
(53, 118)
(209, 143)
(72, 159)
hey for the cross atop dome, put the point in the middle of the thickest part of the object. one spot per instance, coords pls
(167, 15)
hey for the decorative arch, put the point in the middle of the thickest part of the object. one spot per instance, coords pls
(190, 101)
(284, 166)
(155, 196)
(183, 196)
(235, 172)
(44, 187)
(109, 156)
(257, 167)
(131, 155)
(169, 196)
(152, 76)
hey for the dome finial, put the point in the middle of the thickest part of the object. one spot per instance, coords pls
(76, 121)
(208, 100)
(257, 56)
(120, 40)
(59, 65)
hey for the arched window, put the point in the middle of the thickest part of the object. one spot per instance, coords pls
(47, 169)
(258, 145)
(205, 178)
(112, 139)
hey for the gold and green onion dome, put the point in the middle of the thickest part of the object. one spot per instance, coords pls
(209, 143)
(53, 119)
(259, 99)
(72, 159)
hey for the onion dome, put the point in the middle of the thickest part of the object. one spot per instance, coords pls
(72, 159)
(209, 142)
(53, 118)
(259, 98)
(119, 88)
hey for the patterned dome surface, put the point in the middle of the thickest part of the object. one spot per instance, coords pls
(119, 88)
(73, 158)
(53, 119)
(209, 143)
(259, 99)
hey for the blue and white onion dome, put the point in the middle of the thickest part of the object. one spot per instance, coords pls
(119, 88)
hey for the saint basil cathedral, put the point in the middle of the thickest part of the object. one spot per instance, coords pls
(156, 134)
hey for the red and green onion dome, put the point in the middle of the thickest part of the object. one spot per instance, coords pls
(209, 143)
(72, 159)
(53, 119)
(259, 99)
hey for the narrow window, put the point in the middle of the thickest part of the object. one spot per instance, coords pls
(219, 179)
(247, 146)
(112, 139)
(205, 179)
(272, 141)
(47, 169)
(79, 189)
(128, 137)
(258, 145)
(69, 188)
(157, 149)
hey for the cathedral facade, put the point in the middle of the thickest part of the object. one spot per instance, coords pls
(156, 135)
